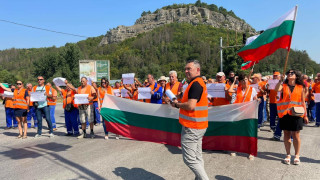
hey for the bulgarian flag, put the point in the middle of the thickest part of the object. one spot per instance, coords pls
(247, 65)
(278, 35)
(231, 127)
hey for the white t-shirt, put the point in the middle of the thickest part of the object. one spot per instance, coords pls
(253, 94)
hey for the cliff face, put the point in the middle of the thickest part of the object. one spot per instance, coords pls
(193, 15)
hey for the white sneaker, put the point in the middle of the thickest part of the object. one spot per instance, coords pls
(106, 137)
(37, 136)
(81, 136)
(117, 136)
(233, 154)
(51, 135)
(251, 157)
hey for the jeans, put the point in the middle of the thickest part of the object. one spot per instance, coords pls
(273, 115)
(312, 110)
(71, 121)
(46, 112)
(191, 145)
(265, 117)
(52, 118)
(96, 112)
(104, 127)
(32, 114)
(10, 118)
(318, 113)
(278, 132)
(260, 112)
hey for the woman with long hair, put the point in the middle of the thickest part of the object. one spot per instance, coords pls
(292, 112)
(21, 107)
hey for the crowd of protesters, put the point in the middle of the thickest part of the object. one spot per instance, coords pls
(293, 92)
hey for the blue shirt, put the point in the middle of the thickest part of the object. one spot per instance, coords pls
(156, 98)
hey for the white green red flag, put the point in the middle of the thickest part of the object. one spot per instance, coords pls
(231, 127)
(278, 35)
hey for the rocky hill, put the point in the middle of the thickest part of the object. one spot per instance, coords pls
(191, 14)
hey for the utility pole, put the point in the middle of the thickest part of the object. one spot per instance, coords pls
(221, 66)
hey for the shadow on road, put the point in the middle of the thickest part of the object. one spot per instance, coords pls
(219, 177)
(135, 173)
(49, 151)
(173, 149)
(278, 157)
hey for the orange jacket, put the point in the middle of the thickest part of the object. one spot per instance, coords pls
(197, 118)
(19, 102)
(68, 98)
(102, 93)
(87, 91)
(9, 103)
(290, 100)
(246, 97)
(174, 89)
(50, 101)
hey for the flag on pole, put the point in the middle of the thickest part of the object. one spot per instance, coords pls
(278, 35)
(231, 127)
(247, 65)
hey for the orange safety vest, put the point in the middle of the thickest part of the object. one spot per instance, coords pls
(9, 103)
(19, 102)
(102, 92)
(46, 88)
(52, 102)
(174, 88)
(30, 103)
(68, 96)
(290, 100)
(246, 97)
(87, 91)
(220, 101)
(152, 88)
(197, 118)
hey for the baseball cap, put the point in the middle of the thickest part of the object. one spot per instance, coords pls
(276, 73)
(220, 74)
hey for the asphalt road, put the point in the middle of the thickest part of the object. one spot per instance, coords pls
(64, 157)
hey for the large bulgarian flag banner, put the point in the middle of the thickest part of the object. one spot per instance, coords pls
(278, 35)
(231, 127)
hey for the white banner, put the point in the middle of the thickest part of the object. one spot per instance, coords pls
(117, 92)
(7, 94)
(128, 78)
(272, 83)
(316, 97)
(38, 97)
(144, 93)
(59, 81)
(124, 93)
(216, 90)
(256, 86)
(81, 98)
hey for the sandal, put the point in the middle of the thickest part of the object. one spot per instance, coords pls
(20, 136)
(24, 137)
(251, 157)
(287, 160)
(296, 160)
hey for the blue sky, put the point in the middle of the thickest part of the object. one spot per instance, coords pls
(96, 17)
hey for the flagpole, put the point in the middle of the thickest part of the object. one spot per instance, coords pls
(286, 62)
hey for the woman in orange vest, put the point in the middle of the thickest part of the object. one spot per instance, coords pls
(10, 112)
(293, 100)
(244, 93)
(21, 107)
(102, 91)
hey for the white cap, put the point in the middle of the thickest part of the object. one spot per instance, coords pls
(221, 74)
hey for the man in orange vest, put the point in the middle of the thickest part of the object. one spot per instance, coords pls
(316, 89)
(32, 111)
(262, 91)
(193, 117)
(9, 108)
(52, 102)
(174, 85)
(85, 110)
(42, 108)
(221, 78)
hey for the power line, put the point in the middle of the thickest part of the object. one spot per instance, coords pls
(42, 29)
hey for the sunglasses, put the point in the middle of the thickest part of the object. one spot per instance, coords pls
(103, 83)
(18, 83)
(40, 79)
(290, 73)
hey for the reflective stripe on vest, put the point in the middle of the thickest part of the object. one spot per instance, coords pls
(197, 118)
(19, 102)
(290, 100)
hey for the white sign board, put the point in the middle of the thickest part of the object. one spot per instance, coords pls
(316, 97)
(81, 98)
(216, 90)
(256, 86)
(7, 94)
(128, 78)
(144, 93)
(38, 97)
(124, 93)
(117, 92)
(59, 81)
(170, 95)
(272, 83)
